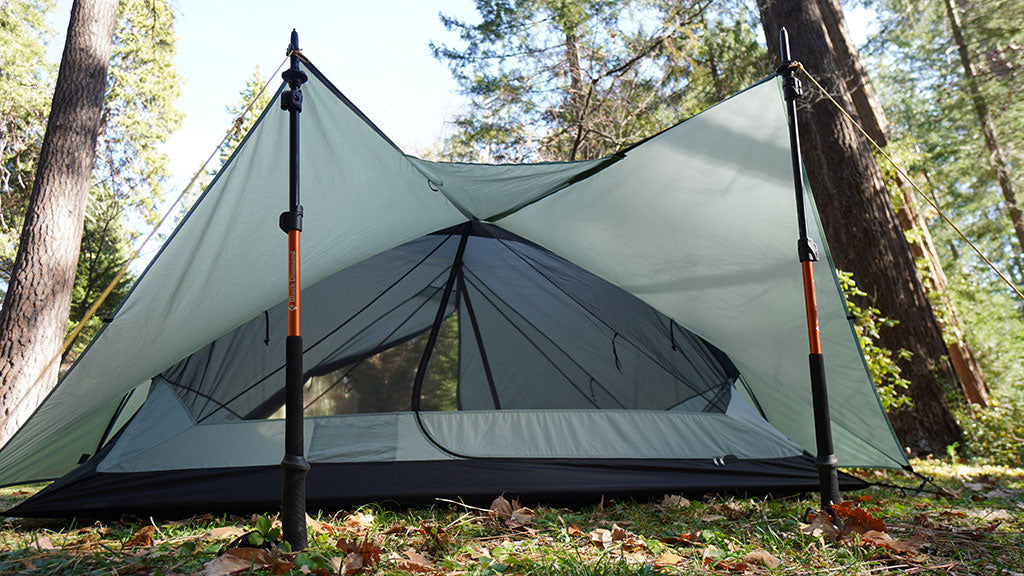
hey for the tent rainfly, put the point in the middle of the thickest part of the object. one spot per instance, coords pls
(626, 325)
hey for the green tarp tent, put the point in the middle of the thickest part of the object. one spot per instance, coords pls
(622, 325)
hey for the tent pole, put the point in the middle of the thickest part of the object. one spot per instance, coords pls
(294, 465)
(828, 475)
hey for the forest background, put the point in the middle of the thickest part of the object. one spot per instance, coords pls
(573, 79)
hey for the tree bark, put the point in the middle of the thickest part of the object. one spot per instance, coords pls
(35, 311)
(871, 117)
(576, 112)
(863, 231)
(995, 149)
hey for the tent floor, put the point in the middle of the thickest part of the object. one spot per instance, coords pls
(178, 493)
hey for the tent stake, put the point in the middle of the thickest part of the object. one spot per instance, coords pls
(825, 460)
(294, 465)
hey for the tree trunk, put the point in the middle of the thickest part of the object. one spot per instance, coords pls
(996, 155)
(863, 231)
(576, 112)
(35, 311)
(871, 117)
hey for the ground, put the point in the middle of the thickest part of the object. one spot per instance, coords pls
(970, 523)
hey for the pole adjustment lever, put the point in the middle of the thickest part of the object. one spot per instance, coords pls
(291, 220)
(806, 248)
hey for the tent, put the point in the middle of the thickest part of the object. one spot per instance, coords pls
(626, 325)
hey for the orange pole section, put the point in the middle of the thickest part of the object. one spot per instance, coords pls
(294, 287)
(813, 335)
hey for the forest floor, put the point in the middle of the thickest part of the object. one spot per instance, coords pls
(973, 523)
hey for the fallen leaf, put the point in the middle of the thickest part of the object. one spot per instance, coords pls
(574, 530)
(351, 564)
(712, 517)
(762, 558)
(519, 518)
(225, 532)
(683, 538)
(601, 537)
(629, 541)
(819, 525)
(856, 519)
(43, 542)
(883, 540)
(367, 550)
(674, 501)
(414, 561)
(144, 537)
(281, 567)
(668, 559)
(501, 507)
(238, 559)
(358, 523)
(319, 527)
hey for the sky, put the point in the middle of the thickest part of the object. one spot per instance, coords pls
(375, 51)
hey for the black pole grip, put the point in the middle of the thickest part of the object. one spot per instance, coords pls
(828, 473)
(293, 490)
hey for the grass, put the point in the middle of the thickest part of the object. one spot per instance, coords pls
(974, 527)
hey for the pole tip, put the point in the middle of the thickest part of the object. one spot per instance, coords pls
(294, 40)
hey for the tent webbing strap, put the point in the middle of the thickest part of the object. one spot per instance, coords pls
(421, 370)
(913, 184)
(479, 341)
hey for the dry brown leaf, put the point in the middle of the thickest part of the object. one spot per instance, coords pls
(601, 537)
(762, 558)
(358, 523)
(414, 561)
(688, 539)
(144, 537)
(225, 533)
(856, 519)
(318, 526)
(43, 542)
(351, 564)
(281, 567)
(883, 540)
(519, 518)
(674, 501)
(574, 530)
(238, 559)
(819, 525)
(368, 551)
(668, 559)
(501, 507)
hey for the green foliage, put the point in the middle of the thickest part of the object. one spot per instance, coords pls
(130, 170)
(882, 362)
(915, 64)
(995, 434)
(578, 79)
(264, 532)
(26, 80)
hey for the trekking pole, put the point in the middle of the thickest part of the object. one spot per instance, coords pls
(825, 461)
(294, 465)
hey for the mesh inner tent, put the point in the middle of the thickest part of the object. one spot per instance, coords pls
(523, 329)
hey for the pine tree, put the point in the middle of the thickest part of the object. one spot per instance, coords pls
(864, 234)
(39, 293)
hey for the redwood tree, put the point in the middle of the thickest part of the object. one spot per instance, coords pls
(863, 231)
(38, 296)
